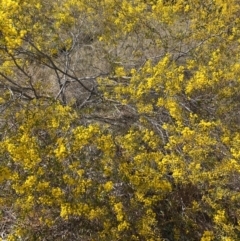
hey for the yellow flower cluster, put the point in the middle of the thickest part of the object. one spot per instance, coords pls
(168, 171)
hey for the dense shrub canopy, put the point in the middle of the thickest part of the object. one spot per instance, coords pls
(120, 120)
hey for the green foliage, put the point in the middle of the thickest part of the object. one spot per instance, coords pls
(120, 120)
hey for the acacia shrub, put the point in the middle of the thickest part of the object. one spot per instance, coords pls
(152, 150)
